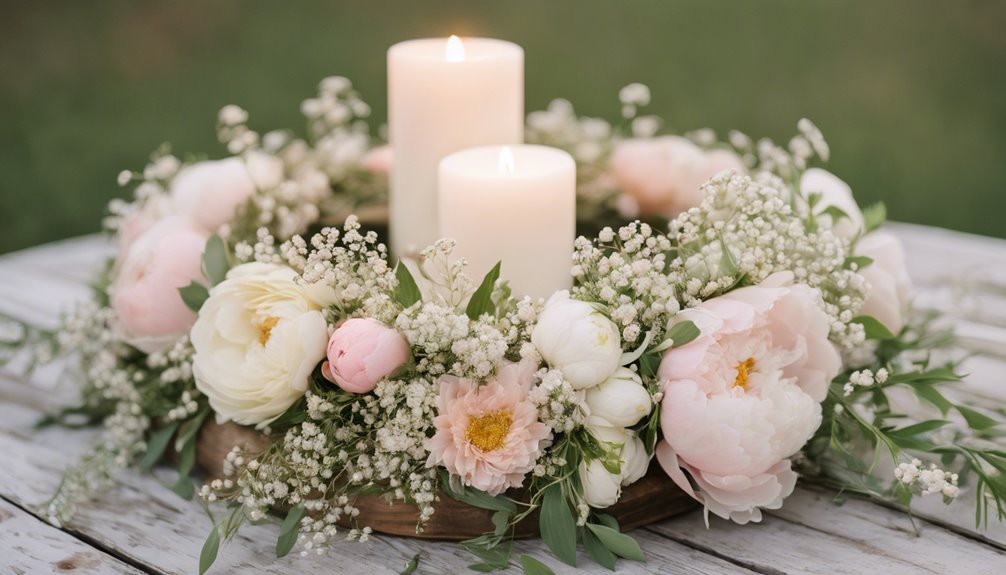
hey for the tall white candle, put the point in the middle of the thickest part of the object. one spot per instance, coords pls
(445, 95)
(516, 204)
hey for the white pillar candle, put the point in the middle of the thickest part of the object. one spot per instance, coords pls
(516, 204)
(445, 95)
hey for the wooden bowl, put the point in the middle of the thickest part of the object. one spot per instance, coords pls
(653, 498)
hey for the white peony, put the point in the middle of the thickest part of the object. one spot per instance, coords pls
(602, 488)
(890, 285)
(619, 401)
(257, 339)
(578, 340)
(833, 192)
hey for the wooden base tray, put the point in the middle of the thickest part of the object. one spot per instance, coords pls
(653, 498)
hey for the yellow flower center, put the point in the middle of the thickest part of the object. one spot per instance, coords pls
(265, 329)
(488, 432)
(744, 369)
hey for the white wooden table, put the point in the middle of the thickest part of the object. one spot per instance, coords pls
(142, 527)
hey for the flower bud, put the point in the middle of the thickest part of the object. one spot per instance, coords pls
(619, 401)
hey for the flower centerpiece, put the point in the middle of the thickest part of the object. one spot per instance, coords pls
(733, 323)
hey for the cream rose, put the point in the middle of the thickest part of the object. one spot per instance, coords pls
(833, 192)
(619, 401)
(578, 340)
(257, 339)
(602, 488)
(890, 285)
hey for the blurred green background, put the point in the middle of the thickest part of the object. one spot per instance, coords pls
(911, 94)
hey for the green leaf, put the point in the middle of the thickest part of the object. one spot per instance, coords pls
(920, 428)
(859, 261)
(607, 521)
(874, 215)
(295, 414)
(933, 396)
(532, 566)
(874, 329)
(977, 421)
(618, 543)
(407, 292)
(482, 300)
(683, 332)
(156, 445)
(288, 532)
(835, 212)
(209, 553)
(501, 520)
(411, 566)
(188, 430)
(728, 266)
(597, 551)
(477, 498)
(187, 459)
(194, 295)
(216, 263)
(558, 527)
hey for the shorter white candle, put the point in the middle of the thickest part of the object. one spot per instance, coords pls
(516, 204)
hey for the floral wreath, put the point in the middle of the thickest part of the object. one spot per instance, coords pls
(743, 329)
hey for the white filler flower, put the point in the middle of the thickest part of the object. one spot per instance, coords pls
(257, 340)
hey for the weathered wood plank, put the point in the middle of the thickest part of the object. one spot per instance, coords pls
(146, 522)
(31, 546)
(152, 526)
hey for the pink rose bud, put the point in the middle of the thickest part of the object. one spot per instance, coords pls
(362, 352)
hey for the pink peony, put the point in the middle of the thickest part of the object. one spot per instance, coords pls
(890, 286)
(362, 352)
(378, 160)
(145, 296)
(665, 175)
(745, 395)
(488, 434)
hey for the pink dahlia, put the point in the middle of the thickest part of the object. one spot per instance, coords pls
(488, 434)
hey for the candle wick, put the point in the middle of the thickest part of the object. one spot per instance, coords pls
(455, 51)
(506, 163)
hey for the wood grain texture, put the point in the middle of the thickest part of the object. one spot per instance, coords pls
(144, 522)
(31, 546)
(651, 499)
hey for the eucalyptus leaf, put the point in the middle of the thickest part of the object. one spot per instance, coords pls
(874, 329)
(597, 551)
(210, 548)
(618, 543)
(481, 302)
(216, 263)
(683, 332)
(532, 566)
(288, 531)
(194, 295)
(558, 527)
(157, 444)
(874, 215)
(411, 566)
(407, 293)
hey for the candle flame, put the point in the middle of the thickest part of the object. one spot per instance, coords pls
(455, 51)
(506, 161)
